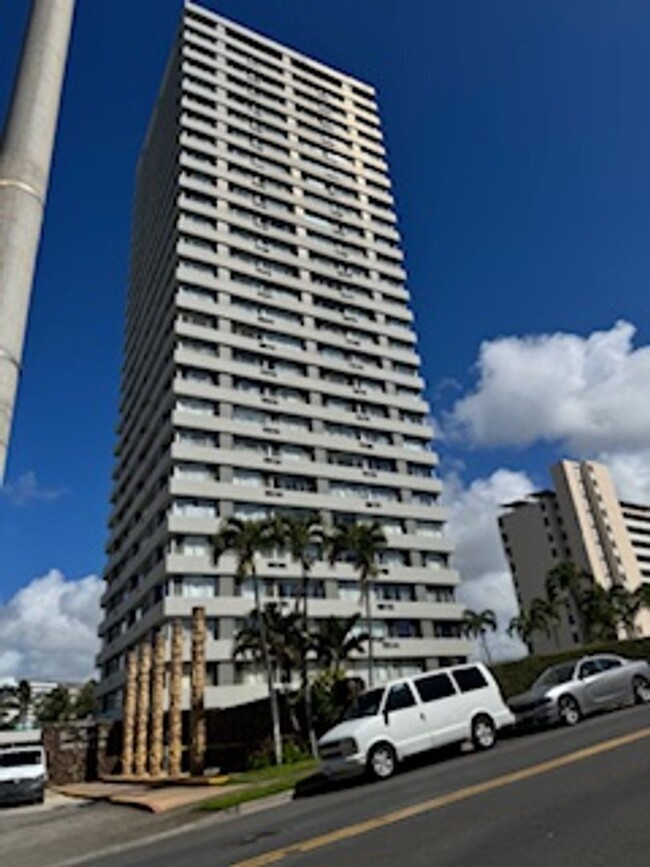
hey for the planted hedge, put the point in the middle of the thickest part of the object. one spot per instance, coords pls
(516, 677)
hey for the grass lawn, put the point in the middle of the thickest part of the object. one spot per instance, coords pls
(260, 784)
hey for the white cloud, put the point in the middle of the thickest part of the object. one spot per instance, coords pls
(585, 394)
(478, 554)
(48, 629)
(27, 489)
(631, 473)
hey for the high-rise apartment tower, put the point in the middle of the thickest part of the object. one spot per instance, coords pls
(583, 522)
(270, 361)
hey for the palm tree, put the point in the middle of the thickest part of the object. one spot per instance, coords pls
(642, 593)
(282, 638)
(476, 624)
(303, 539)
(625, 606)
(597, 613)
(547, 614)
(337, 639)
(527, 623)
(567, 583)
(360, 545)
(284, 641)
(55, 706)
(24, 699)
(246, 539)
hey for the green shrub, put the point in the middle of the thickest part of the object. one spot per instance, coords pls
(516, 677)
(293, 752)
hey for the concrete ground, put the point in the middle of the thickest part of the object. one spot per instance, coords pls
(65, 828)
(155, 799)
(53, 801)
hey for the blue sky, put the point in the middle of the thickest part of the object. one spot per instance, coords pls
(518, 134)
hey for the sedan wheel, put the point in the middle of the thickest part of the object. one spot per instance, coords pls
(569, 710)
(382, 761)
(641, 690)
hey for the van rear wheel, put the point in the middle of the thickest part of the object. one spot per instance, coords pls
(382, 761)
(484, 733)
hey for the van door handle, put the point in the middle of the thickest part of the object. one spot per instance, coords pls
(422, 717)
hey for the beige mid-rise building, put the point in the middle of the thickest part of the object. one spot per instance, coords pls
(583, 522)
(270, 362)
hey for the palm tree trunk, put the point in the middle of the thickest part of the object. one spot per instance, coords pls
(273, 698)
(486, 649)
(371, 656)
(306, 688)
(556, 638)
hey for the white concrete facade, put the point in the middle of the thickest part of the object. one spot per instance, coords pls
(583, 522)
(270, 360)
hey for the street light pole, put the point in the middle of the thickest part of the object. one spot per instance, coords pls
(25, 158)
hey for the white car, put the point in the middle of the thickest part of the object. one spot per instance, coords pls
(23, 769)
(411, 715)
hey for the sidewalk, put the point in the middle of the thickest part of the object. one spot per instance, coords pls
(153, 797)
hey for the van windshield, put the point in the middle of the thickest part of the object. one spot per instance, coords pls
(20, 758)
(366, 704)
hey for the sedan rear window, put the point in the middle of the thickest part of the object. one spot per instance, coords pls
(469, 679)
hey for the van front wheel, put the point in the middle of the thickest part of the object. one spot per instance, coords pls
(484, 733)
(382, 761)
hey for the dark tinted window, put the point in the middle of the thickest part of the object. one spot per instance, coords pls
(434, 686)
(399, 697)
(608, 662)
(366, 704)
(469, 679)
(20, 758)
(590, 667)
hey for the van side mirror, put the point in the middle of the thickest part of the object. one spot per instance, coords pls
(386, 717)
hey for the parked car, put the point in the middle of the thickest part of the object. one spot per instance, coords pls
(571, 690)
(22, 767)
(386, 724)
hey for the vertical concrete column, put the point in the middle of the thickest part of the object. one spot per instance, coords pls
(176, 700)
(128, 711)
(197, 712)
(157, 704)
(142, 723)
(24, 172)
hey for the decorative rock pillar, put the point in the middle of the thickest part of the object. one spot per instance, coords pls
(176, 700)
(157, 704)
(197, 712)
(142, 725)
(128, 711)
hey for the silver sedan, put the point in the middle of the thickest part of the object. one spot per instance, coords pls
(570, 690)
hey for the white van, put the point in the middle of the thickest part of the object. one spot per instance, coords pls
(22, 767)
(408, 716)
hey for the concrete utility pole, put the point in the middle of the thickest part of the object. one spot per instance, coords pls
(25, 157)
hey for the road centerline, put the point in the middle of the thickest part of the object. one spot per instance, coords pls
(440, 801)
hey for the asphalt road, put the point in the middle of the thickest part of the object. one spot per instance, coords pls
(575, 798)
(62, 828)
